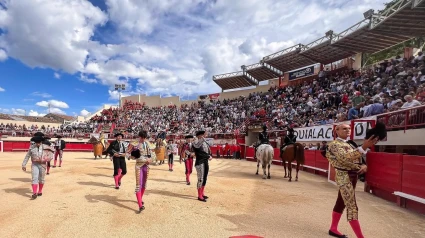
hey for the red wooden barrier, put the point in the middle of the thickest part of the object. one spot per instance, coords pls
(413, 178)
(321, 162)
(213, 150)
(242, 151)
(384, 174)
(309, 160)
(249, 153)
(19, 146)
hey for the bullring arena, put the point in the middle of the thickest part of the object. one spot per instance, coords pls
(80, 201)
(349, 107)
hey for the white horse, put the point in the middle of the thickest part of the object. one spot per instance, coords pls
(265, 154)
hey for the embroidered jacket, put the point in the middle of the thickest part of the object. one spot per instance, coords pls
(342, 156)
(202, 151)
(145, 151)
(186, 150)
(170, 149)
(41, 154)
(116, 147)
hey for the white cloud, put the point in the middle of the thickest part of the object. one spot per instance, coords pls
(2, 89)
(4, 110)
(167, 47)
(139, 17)
(115, 96)
(3, 55)
(18, 111)
(56, 111)
(85, 113)
(56, 75)
(80, 90)
(54, 39)
(35, 113)
(52, 103)
(43, 95)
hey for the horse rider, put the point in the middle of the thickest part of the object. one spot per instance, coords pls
(290, 139)
(263, 137)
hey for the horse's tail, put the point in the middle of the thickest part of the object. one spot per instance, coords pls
(300, 150)
(270, 155)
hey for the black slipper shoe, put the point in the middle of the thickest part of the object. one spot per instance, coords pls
(331, 233)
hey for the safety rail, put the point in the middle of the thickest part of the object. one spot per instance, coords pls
(409, 118)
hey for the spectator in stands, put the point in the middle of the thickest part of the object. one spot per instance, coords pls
(374, 109)
(357, 99)
(323, 146)
(410, 102)
(354, 112)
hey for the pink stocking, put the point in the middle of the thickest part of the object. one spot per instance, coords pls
(116, 181)
(120, 177)
(139, 198)
(142, 192)
(40, 188)
(355, 225)
(34, 188)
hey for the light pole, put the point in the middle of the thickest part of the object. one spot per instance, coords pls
(119, 88)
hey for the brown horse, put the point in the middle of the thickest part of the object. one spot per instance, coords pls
(98, 148)
(293, 152)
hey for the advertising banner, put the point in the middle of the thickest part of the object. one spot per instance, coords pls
(304, 72)
(324, 133)
(214, 96)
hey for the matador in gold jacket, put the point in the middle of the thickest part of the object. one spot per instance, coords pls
(346, 157)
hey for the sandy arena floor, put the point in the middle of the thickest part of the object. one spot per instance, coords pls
(79, 200)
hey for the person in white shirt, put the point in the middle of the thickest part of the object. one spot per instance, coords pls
(410, 102)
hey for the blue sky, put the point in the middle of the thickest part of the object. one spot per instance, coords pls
(69, 53)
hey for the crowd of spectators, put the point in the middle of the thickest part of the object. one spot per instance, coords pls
(332, 97)
(344, 95)
(76, 130)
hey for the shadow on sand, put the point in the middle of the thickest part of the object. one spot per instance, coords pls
(97, 184)
(169, 181)
(100, 175)
(170, 194)
(107, 168)
(158, 168)
(25, 192)
(113, 200)
(23, 180)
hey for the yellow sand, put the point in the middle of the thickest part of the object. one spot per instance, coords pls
(79, 200)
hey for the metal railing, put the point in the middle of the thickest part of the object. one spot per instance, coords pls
(409, 118)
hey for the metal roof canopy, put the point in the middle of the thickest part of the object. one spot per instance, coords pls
(234, 80)
(406, 17)
(323, 52)
(288, 59)
(262, 71)
(404, 20)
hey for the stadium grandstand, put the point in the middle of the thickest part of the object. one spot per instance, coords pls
(308, 85)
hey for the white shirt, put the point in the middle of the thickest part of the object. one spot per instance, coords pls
(413, 103)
